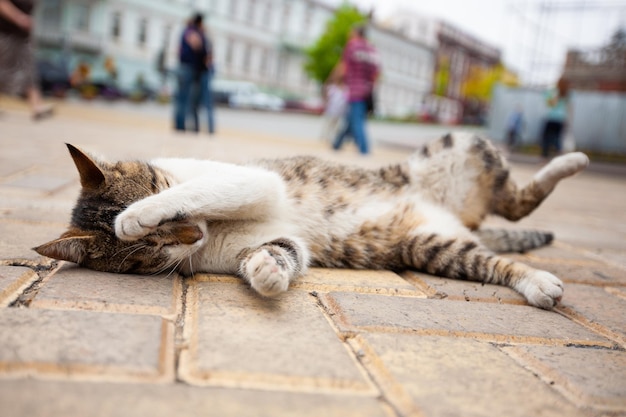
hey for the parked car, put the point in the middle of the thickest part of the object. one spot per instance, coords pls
(243, 94)
(54, 79)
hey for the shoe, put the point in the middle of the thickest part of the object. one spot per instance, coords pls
(43, 114)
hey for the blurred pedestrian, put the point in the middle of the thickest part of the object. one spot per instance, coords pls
(195, 57)
(514, 127)
(556, 119)
(336, 105)
(359, 67)
(202, 91)
(17, 63)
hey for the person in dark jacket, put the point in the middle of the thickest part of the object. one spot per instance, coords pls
(195, 62)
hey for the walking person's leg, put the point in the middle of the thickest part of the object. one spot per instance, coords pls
(208, 101)
(358, 112)
(345, 129)
(546, 139)
(558, 137)
(184, 79)
(196, 97)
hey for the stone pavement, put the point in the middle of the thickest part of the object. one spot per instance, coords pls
(74, 342)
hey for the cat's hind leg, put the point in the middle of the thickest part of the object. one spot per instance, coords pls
(270, 267)
(463, 257)
(513, 203)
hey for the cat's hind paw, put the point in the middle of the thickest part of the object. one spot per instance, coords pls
(541, 289)
(266, 275)
(561, 167)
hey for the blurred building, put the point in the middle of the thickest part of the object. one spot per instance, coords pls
(601, 69)
(458, 55)
(261, 41)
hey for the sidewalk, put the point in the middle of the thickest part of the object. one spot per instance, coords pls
(74, 342)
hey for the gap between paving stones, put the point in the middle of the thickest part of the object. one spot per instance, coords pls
(25, 294)
(188, 370)
(390, 391)
(349, 330)
(578, 318)
(556, 381)
(181, 343)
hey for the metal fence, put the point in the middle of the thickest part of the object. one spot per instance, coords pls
(598, 119)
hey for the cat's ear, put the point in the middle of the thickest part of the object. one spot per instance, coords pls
(91, 176)
(68, 247)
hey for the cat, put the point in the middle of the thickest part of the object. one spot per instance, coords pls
(267, 221)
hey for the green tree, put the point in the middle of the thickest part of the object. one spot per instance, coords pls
(324, 54)
(480, 81)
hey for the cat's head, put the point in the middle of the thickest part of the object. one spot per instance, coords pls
(107, 189)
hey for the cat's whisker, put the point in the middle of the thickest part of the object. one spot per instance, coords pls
(139, 247)
(128, 248)
(191, 265)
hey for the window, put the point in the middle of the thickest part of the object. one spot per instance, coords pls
(116, 25)
(286, 15)
(229, 52)
(250, 11)
(247, 57)
(267, 15)
(308, 17)
(263, 62)
(232, 8)
(143, 31)
(82, 17)
(167, 34)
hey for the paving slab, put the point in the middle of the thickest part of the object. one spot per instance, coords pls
(594, 378)
(14, 280)
(17, 238)
(362, 281)
(37, 210)
(452, 289)
(438, 376)
(495, 322)
(584, 271)
(597, 307)
(72, 287)
(237, 338)
(68, 399)
(85, 345)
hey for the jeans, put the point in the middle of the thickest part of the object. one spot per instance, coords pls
(551, 137)
(355, 125)
(192, 94)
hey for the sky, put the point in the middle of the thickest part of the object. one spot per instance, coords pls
(533, 35)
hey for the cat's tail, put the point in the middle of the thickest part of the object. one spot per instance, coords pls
(505, 240)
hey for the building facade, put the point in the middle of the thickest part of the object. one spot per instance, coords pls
(261, 41)
(457, 55)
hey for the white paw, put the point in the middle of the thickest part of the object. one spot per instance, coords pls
(138, 220)
(541, 289)
(569, 164)
(266, 276)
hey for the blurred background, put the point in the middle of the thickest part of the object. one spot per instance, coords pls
(447, 62)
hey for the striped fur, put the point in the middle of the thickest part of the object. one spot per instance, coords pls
(269, 220)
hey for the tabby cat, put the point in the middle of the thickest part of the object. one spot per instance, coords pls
(267, 221)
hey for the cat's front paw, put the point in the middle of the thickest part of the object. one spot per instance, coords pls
(137, 221)
(265, 274)
(541, 289)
